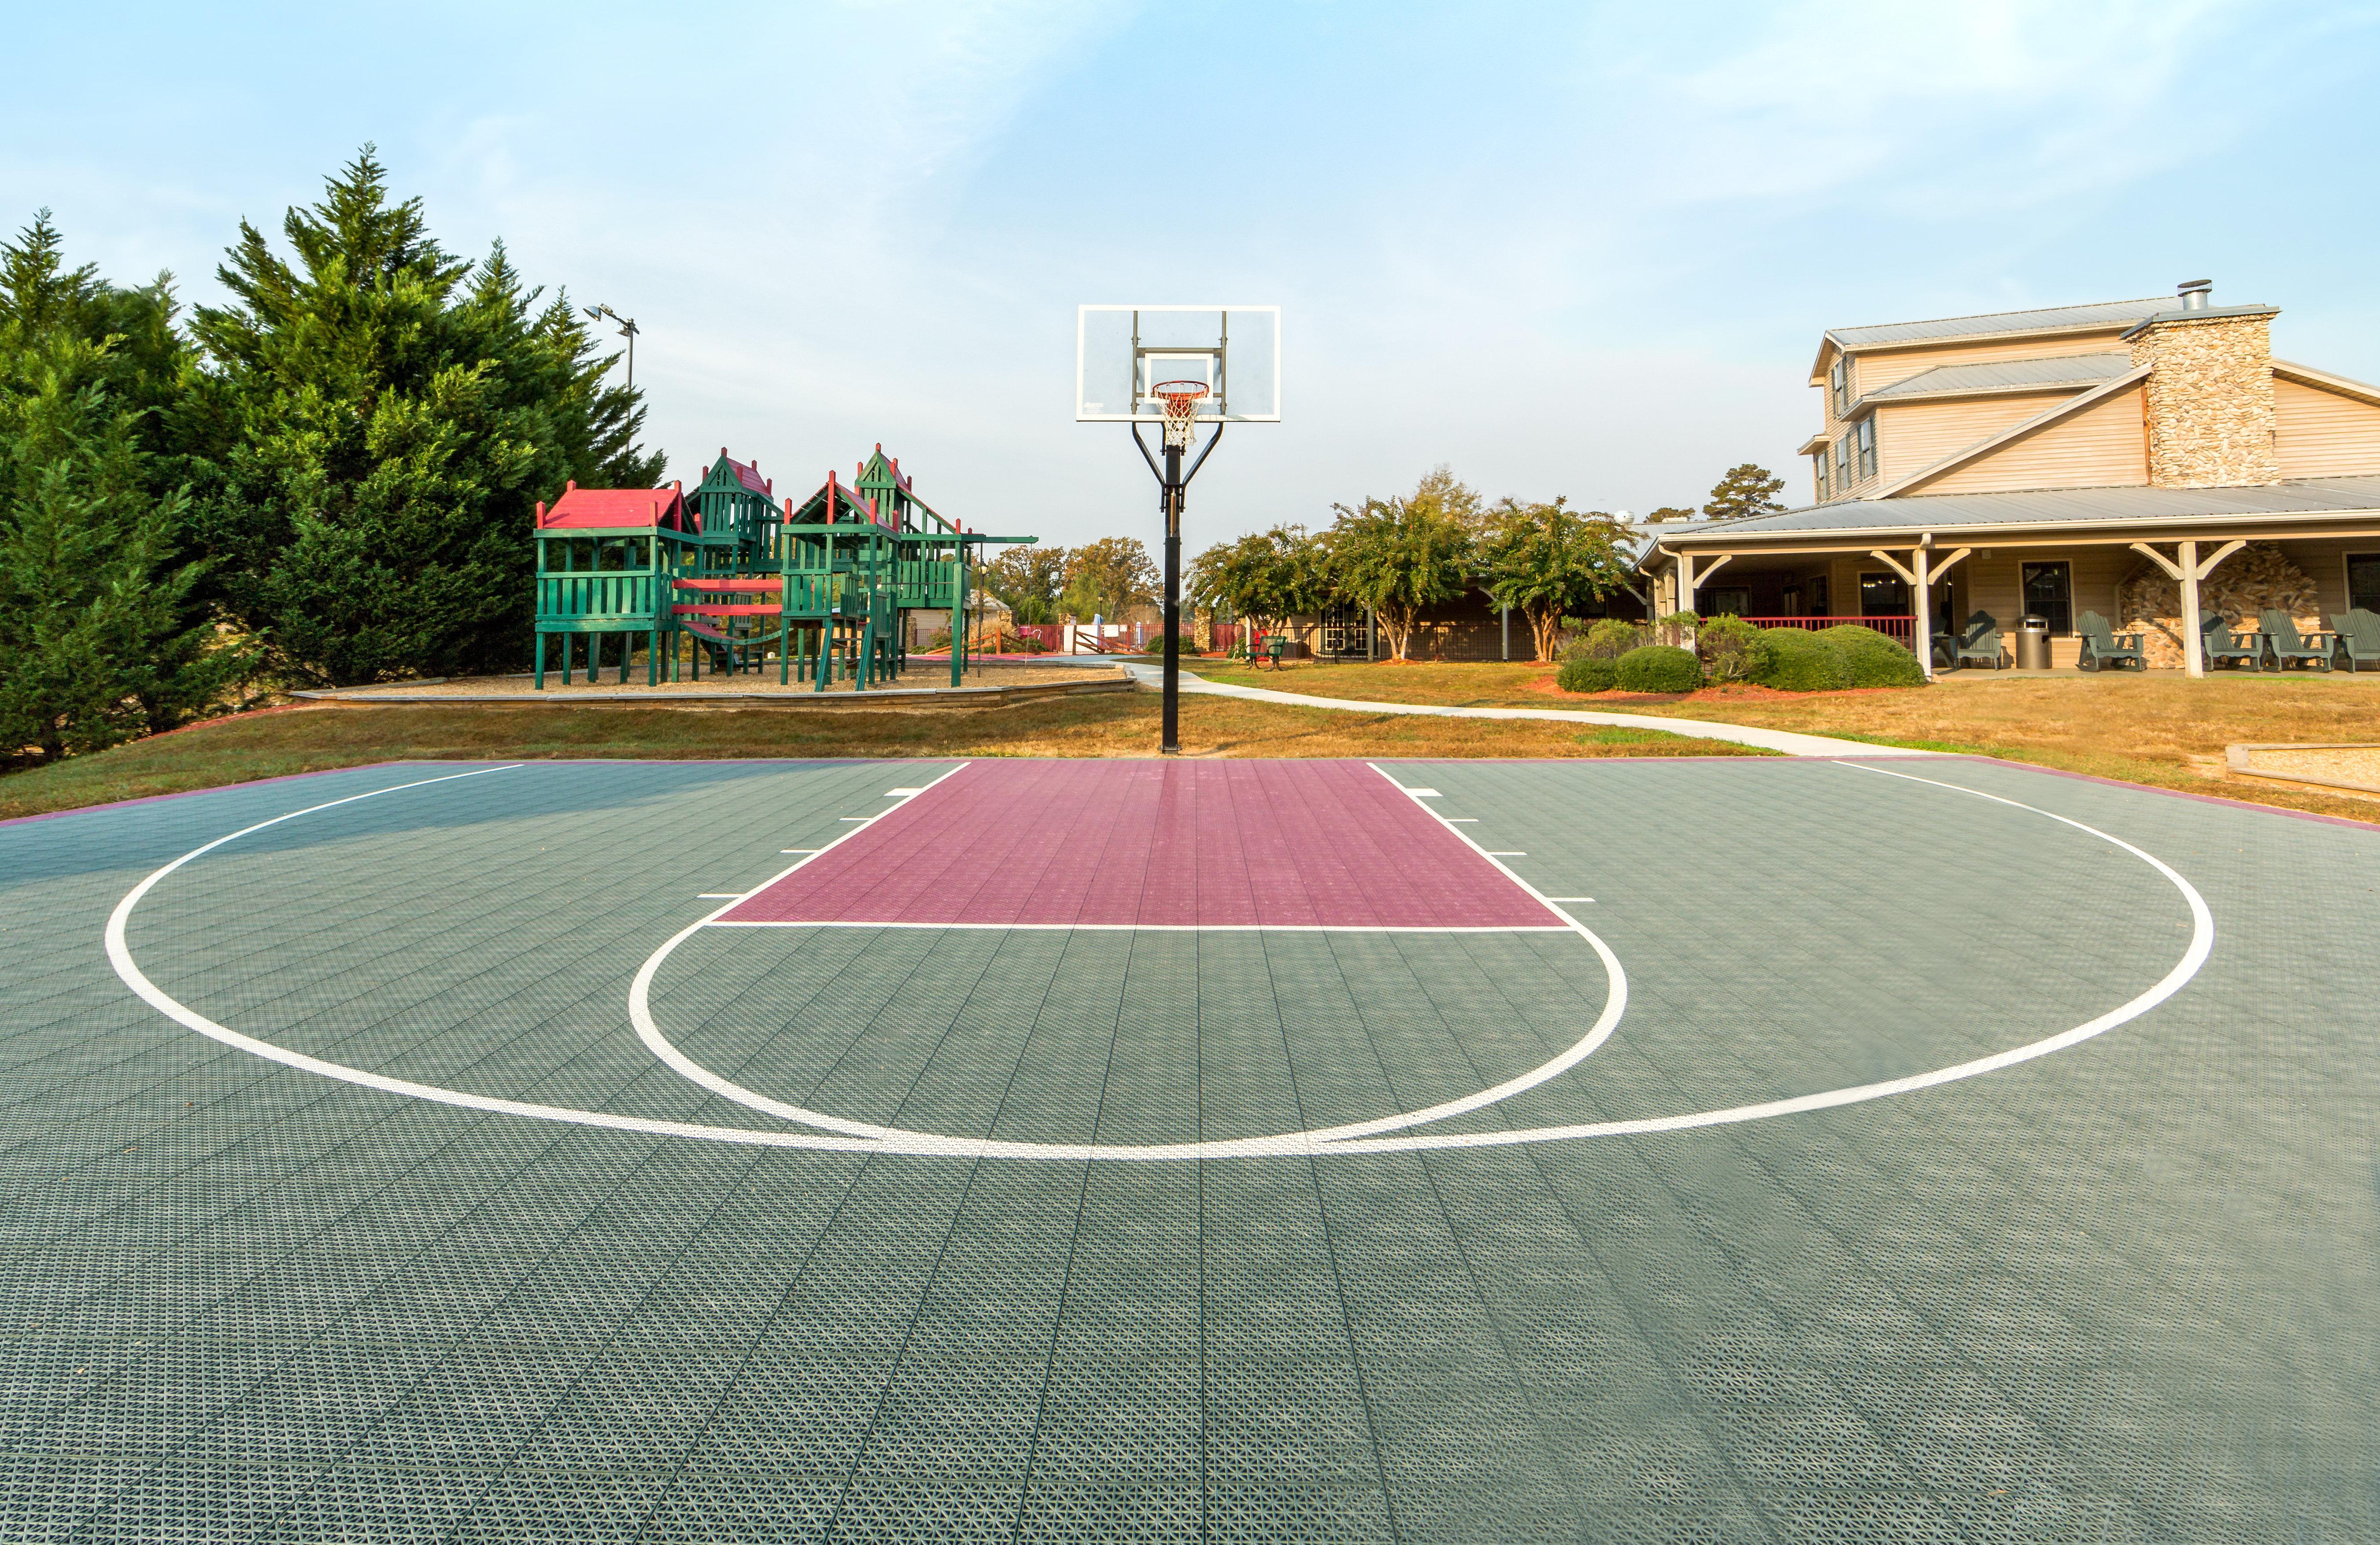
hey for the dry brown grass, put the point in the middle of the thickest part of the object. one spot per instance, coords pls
(286, 740)
(2154, 727)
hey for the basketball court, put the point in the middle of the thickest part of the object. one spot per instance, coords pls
(1742, 1149)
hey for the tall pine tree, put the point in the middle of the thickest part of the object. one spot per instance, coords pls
(101, 635)
(386, 415)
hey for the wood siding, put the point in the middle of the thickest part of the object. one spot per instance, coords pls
(1912, 438)
(1873, 372)
(2324, 563)
(2101, 446)
(2324, 434)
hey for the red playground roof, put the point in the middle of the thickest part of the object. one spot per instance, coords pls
(615, 507)
(746, 473)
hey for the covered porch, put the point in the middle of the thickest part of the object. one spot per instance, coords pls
(2163, 578)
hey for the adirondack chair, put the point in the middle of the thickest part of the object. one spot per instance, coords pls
(2103, 646)
(2224, 646)
(1977, 642)
(2283, 645)
(2359, 640)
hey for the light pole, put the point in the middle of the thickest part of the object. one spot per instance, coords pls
(627, 330)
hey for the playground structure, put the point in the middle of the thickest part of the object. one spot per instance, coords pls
(726, 573)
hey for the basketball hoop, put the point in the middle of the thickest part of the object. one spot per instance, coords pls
(1181, 400)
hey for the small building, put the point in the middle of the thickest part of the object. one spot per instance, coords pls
(1470, 626)
(2141, 459)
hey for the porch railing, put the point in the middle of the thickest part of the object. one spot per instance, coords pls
(1902, 630)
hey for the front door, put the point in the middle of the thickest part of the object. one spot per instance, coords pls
(2049, 593)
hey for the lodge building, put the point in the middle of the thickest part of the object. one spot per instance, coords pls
(2148, 460)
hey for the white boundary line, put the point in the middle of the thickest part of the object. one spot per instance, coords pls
(902, 1140)
(1359, 1137)
(120, 957)
(2201, 943)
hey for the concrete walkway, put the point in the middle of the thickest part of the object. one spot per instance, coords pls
(1783, 740)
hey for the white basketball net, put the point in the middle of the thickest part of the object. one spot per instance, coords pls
(1181, 400)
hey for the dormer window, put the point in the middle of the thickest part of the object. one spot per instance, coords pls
(1838, 384)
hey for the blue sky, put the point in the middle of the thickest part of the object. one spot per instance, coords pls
(1580, 249)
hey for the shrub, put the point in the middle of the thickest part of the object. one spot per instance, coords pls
(1801, 661)
(1876, 659)
(1660, 667)
(1732, 649)
(1833, 659)
(1608, 638)
(1583, 673)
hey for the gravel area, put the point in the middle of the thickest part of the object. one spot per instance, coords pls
(2359, 764)
(921, 676)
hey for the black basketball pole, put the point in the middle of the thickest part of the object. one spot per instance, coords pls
(1170, 497)
(1172, 489)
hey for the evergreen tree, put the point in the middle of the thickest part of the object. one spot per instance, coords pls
(383, 416)
(100, 639)
(1745, 490)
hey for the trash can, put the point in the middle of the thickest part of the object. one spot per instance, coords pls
(2032, 644)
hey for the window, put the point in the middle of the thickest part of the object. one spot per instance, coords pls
(2050, 592)
(1813, 591)
(1846, 454)
(1725, 601)
(1819, 460)
(1838, 384)
(1883, 596)
(1345, 630)
(2363, 581)
(1867, 446)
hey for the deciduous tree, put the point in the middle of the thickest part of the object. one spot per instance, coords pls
(1027, 580)
(1105, 576)
(1401, 556)
(1548, 560)
(1264, 578)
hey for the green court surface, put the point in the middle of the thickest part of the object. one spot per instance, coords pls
(1880, 1161)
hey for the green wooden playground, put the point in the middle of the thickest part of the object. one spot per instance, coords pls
(729, 576)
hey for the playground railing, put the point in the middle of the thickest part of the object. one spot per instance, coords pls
(574, 597)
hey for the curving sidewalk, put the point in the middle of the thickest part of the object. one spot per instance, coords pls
(1785, 741)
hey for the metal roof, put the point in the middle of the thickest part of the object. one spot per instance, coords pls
(2049, 507)
(2073, 370)
(2108, 313)
(2205, 313)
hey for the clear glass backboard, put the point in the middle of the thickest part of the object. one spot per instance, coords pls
(1123, 352)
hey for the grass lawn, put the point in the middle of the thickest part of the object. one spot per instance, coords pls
(283, 741)
(2151, 727)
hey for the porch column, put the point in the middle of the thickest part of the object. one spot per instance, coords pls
(1685, 583)
(1922, 619)
(1506, 616)
(2193, 649)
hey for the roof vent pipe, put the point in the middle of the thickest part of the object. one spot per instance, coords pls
(2196, 294)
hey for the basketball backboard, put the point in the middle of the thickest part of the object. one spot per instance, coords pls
(1121, 353)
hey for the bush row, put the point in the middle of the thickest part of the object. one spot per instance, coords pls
(1615, 654)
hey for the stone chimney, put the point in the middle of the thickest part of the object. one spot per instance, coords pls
(2209, 394)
